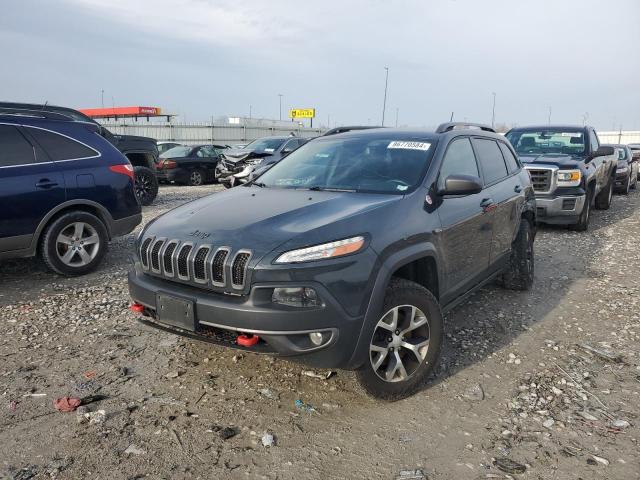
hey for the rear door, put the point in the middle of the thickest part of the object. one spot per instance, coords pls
(503, 192)
(466, 227)
(30, 186)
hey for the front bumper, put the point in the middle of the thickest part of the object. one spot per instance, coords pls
(561, 210)
(236, 177)
(284, 331)
(621, 179)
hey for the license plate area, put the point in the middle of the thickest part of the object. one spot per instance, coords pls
(176, 311)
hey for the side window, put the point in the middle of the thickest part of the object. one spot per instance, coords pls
(512, 161)
(14, 148)
(595, 144)
(59, 147)
(459, 159)
(491, 160)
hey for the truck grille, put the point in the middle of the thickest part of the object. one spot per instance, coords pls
(541, 179)
(204, 265)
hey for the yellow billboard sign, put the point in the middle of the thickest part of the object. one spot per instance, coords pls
(302, 113)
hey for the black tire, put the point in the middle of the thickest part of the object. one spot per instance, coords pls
(54, 251)
(628, 186)
(634, 181)
(146, 185)
(402, 295)
(583, 220)
(603, 199)
(519, 275)
(196, 178)
(226, 184)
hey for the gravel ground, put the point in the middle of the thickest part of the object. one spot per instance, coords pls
(540, 384)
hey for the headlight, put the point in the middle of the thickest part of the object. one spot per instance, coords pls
(326, 250)
(569, 178)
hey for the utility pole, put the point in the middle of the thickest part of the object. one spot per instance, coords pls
(493, 114)
(102, 97)
(250, 108)
(397, 111)
(451, 119)
(384, 102)
(280, 96)
(549, 115)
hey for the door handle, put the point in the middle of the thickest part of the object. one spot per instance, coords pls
(517, 188)
(487, 205)
(46, 183)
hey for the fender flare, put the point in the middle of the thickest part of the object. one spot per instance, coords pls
(390, 265)
(105, 216)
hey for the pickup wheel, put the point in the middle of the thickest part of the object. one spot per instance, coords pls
(404, 343)
(603, 199)
(583, 220)
(146, 185)
(627, 187)
(519, 275)
(74, 243)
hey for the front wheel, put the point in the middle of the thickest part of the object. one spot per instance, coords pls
(404, 343)
(146, 184)
(519, 275)
(74, 243)
(628, 186)
(603, 199)
(583, 220)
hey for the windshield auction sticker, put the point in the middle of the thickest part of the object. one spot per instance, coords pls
(409, 145)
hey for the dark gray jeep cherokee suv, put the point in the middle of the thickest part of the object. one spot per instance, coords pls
(345, 253)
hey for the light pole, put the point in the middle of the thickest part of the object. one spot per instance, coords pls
(549, 115)
(102, 97)
(493, 113)
(280, 96)
(384, 102)
(397, 111)
(250, 111)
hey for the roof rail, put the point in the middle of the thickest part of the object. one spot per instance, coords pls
(446, 127)
(28, 112)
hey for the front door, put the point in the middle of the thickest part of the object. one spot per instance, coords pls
(466, 225)
(30, 186)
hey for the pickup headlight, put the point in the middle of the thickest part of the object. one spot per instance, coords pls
(325, 250)
(569, 178)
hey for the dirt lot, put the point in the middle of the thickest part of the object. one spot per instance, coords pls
(519, 387)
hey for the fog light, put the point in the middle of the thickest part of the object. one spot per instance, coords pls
(316, 338)
(295, 297)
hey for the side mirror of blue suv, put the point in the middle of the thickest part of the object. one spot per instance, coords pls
(65, 191)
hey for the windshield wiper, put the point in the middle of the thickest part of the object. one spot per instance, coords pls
(317, 188)
(259, 184)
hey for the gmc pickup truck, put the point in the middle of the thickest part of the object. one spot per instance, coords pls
(569, 169)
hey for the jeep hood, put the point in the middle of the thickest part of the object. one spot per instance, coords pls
(557, 159)
(262, 219)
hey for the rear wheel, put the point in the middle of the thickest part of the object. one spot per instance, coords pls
(146, 185)
(196, 178)
(519, 276)
(74, 243)
(603, 200)
(634, 181)
(404, 343)
(583, 220)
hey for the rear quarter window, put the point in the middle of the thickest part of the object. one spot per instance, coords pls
(59, 147)
(512, 162)
(491, 160)
(14, 148)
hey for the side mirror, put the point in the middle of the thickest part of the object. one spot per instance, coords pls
(287, 151)
(601, 152)
(461, 185)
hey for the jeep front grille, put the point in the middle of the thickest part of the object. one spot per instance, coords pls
(219, 268)
(238, 268)
(144, 252)
(541, 179)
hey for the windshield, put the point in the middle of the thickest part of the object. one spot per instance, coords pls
(267, 145)
(538, 142)
(177, 152)
(358, 164)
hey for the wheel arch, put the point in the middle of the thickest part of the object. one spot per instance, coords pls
(405, 262)
(88, 206)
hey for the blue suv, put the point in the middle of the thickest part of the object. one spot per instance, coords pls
(65, 191)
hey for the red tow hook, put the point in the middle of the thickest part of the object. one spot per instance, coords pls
(136, 308)
(245, 340)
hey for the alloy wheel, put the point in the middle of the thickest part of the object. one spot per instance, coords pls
(195, 178)
(77, 244)
(400, 343)
(143, 186)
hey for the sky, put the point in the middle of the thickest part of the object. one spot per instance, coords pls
(578, 59)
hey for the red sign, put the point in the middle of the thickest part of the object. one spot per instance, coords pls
(121, 111)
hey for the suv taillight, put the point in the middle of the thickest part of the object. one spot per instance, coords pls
(124, 169)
